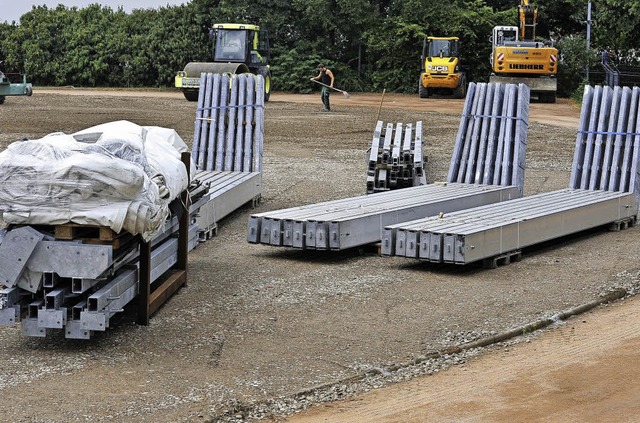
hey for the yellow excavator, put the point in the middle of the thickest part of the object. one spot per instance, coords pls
(441, 71)
(517, 57)
(238, 48)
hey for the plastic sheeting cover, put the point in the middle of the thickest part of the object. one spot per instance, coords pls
(117, 174)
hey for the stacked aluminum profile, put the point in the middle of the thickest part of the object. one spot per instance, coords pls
(228, 145)
(497, 114)
(603, 190)
(492, 138)
(608, 140)
(347, 223)
(467, 236)
(50, 284)
(395, 157)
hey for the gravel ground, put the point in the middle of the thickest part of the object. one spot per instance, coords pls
(260, 332)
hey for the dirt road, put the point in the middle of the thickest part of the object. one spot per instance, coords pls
(261, 332)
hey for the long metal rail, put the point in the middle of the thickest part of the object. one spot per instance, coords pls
(487, 166)
(603, 190)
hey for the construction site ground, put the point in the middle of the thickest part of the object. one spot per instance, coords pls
(267, 332)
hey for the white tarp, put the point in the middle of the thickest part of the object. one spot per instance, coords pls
(117, 174)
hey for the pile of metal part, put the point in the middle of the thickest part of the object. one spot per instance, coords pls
(356, 221)
(395, 157)
(77, 277)
(603, 191)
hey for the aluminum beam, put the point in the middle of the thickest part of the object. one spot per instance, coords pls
(479, 233)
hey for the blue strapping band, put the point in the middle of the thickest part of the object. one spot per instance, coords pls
(609, 133)
(496, 117)
(260, 106)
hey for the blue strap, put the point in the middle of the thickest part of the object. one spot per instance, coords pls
(230, 107)
(609, 133)
(496, 117)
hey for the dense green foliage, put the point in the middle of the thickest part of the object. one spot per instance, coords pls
(369, 44)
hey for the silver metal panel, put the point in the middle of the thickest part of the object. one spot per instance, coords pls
(52, 318)
(30, 328)
(222, 115)
(231, 125)
(247, 152)
(74, 330)
(494, 128)
(241, 123)
(16, 249)
(70, 259)
(412, 242)
(626, 170)
(583, 127)
(454, 165)
(401, 245)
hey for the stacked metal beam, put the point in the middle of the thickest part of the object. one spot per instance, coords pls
(603, 190)
(479, 233)
(608, 140)
(347, 223)
(492, 137)
(51, 284)
(73, 286)
(228, 145)
(395, 157)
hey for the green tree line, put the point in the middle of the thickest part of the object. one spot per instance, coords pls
(370, 45)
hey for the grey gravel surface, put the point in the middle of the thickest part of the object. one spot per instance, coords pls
(260, 332)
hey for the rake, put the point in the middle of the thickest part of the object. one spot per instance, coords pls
(346, 94)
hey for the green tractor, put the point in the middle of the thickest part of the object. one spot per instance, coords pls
(238, 48)
(12, 84)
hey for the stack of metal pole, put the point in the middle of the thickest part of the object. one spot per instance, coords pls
(608, 140)
(492, 137)
(228, 129)
(395, 157)
(228, 145)
(603, 190)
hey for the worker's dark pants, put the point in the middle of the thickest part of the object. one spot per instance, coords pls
(324, 94)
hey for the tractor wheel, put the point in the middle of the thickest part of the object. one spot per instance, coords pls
(423, 91)
(266, 74)
(547, 97)
(191, 95)
(461, 90)
(1, 99)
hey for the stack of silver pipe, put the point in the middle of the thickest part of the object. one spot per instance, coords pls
(228, 133)
(228, 144)
(395, 157)
(608, 140)
(501, 136)
(603, 191)
(492, 137)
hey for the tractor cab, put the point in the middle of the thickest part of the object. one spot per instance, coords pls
(239, 43)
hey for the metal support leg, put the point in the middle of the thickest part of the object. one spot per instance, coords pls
(144, 283)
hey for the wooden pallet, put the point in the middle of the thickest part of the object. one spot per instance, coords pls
(90, 234)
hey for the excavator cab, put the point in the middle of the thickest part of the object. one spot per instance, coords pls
(237, 48)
